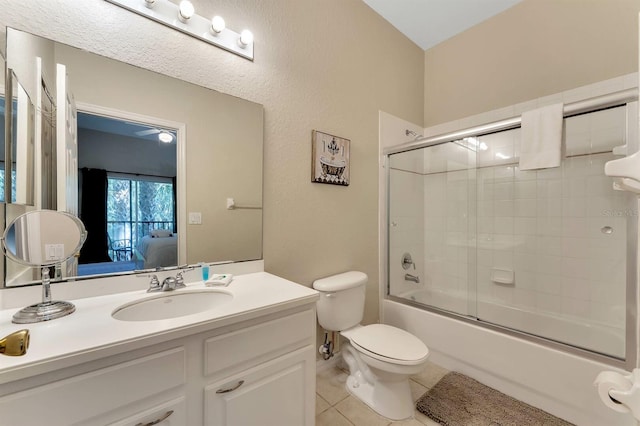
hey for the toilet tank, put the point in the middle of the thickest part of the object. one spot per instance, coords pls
(341, 303)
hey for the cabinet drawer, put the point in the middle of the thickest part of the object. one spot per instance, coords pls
(258, 343)
(80, 398)
(171, 413)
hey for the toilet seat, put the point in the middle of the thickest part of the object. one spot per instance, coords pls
(387, 343)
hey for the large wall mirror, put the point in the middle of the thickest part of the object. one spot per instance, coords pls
(148, 162)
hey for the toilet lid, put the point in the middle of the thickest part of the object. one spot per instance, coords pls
(390, 342)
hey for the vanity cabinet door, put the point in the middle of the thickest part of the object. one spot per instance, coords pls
(280, 392)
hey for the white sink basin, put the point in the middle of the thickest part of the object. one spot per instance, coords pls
(171, 305)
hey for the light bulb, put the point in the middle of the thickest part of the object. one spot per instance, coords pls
(246, 37)
(165, 137)
(185, 10)
(217, 24)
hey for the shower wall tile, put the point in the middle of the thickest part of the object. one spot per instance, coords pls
(548, 283)
(574, 288)
(576, 247)
(503, 173)
(525, 226)
(523, 243)
(525, 189)
(525, 207)
(548, 303)
(503, 225)
(503, 191)
(575, 307)
(503, 208)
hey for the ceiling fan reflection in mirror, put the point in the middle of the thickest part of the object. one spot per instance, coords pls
(163, 135)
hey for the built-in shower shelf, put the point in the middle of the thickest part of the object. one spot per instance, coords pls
(503, 276)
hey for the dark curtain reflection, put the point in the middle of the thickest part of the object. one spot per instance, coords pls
(175, 201)
(93, 213)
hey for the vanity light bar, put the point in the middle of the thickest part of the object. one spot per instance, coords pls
(182, 18)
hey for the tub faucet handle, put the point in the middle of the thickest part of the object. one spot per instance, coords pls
(407, 261)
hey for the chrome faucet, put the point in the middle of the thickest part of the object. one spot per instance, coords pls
(168, 284)
(154, 284)
(414, 278)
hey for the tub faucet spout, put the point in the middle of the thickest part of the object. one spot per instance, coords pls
(414, 278)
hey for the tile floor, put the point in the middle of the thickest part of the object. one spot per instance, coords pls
(336, 407)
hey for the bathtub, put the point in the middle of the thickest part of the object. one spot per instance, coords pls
(556, 381)
(600, 338)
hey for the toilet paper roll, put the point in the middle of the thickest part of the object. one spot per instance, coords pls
(608, 380)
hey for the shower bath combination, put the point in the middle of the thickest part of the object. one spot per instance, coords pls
(526, 254)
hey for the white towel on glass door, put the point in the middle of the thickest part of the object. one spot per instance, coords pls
(541, 144)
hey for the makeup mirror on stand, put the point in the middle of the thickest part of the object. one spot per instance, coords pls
(45, 239)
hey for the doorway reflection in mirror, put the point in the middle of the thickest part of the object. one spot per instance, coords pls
(128, 195)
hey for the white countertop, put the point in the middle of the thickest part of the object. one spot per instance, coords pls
(91, 333)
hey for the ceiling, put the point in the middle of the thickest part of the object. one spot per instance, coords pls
(120, 127)
(429, 22)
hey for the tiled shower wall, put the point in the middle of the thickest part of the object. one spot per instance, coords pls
(562, 230)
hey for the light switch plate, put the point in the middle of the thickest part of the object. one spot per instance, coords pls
(195, 218)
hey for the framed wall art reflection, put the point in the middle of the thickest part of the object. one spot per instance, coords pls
(330, 159)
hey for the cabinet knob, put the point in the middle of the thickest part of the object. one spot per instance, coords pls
(155, 422)
(227, 390)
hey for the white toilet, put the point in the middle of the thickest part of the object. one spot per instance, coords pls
(380, 357)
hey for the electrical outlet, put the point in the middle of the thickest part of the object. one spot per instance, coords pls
(54, 251)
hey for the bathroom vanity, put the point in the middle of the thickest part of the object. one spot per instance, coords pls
(247, 361)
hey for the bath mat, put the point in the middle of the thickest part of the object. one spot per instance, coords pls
(458, 400)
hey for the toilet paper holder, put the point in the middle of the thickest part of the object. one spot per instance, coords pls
(620, 392)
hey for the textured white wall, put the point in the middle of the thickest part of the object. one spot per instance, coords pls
(327, 65)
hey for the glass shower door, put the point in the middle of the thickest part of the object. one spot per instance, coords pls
(552, 243)
(432, 209)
